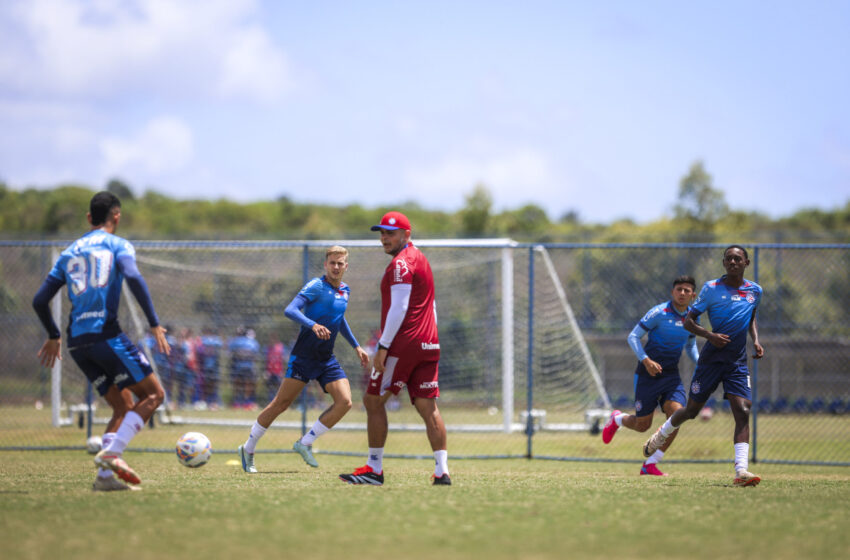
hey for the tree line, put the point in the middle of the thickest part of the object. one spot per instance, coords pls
(699, 213)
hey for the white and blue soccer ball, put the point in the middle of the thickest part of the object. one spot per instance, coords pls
(193, 450)
(94, 444)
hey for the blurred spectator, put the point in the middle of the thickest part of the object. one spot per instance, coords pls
(244, 352)
(276, 358)
(209, 356)
(161, 362)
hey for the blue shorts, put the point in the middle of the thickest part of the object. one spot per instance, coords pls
(735, 377)
(655, 391)
(323, 371)
(116, 361)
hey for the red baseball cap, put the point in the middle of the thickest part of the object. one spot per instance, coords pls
(393, 220)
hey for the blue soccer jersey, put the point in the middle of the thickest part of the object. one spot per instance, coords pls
(667, 337)
(94, 268)
(730, 311)
(319, 302)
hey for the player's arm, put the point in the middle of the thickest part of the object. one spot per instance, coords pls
(691, 349)
(345, 331)
(717, 339)
(139, 289)
(754, 334)
(652, 367)
(294, 312)
(51, 350)
(399, 302)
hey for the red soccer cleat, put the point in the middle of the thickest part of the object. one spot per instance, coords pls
(651, 469)
(610, 428)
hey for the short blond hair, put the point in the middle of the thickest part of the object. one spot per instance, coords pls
(336, 250)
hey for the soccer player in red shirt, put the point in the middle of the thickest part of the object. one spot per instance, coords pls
(408, 351)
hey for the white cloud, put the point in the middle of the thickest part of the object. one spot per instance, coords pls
(513, 178)
(164, 145)
(103, 48)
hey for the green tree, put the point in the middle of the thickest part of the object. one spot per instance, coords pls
(475, 215)
(120, 189)
(700, 206)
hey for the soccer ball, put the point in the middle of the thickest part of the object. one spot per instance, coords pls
(193, 449)
(94, 444)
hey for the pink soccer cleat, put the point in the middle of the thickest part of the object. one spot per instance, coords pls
(651, 469)
(610, 428)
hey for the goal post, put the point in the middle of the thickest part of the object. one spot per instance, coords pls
(485, 315)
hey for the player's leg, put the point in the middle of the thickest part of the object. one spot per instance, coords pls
(340, 392)
(130, 370)
(286, 395)
(670, 408)
(424, 390)
(736, 387)
(378, 391)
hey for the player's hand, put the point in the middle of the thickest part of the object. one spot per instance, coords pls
(759, 351)
(364, 357)
(652, 367)
(719, 340)
(162, 345)
(380, 360)
(50, 351)
(321, 331)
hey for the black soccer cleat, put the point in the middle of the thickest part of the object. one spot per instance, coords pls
(364, 475)
(444, 480)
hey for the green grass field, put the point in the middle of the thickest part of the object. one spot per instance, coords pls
(495, 509)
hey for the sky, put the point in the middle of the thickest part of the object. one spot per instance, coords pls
(597, 108)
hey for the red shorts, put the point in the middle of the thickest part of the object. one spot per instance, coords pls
(418, 371)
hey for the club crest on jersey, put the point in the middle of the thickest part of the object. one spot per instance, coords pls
(751, 298)
(638, 406)
(695, 387)
(401, 270)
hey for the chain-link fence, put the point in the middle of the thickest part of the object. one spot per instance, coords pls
(533, 338)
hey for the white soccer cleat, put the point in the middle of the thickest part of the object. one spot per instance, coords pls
(247, 460)
(655, 441)
(110, 484)
(746, 478)
(306, 452)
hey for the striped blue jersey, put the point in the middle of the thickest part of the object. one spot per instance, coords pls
(319, 302)
(730, 311)
(667, 335)
(89, 267)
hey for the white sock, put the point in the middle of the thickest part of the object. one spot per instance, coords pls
(742, 456)
(257, 432)
(317, 430)
(376, 459)
(655, 458)
(130, 426)
(667, 428)
(618, 419)
(106, 439)
(441, 458)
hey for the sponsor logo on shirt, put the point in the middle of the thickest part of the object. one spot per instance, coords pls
(399, 384)
(430, 345)
(99, 381)
(401, 270)
(121, 377)
(91, 315)
(429, 385)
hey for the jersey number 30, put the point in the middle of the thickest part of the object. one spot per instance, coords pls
(91, 270)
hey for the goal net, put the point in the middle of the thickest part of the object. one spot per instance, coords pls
(513, 359)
